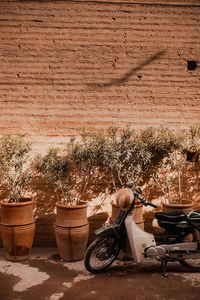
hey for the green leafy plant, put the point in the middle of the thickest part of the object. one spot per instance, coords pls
(85, 154)
(172, 168)
(54, 167)
(160, 143)
(194, 137)
(123, 156)
(192, 144)
(128, 155)
(105, 153)
(170, 176)
(15, 166)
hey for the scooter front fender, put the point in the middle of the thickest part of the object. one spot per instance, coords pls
(138, 239)
(113, 230)
(107, 229)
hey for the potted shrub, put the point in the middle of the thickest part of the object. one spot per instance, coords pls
(17, 223)
(128, 155)
(71, 227)
(114, 156)
(120, 156)
(123, 158)
(170, 181)
(85, 154)
(192, 145)
(105, 159)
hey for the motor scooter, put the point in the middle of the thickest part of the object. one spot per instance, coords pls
(179, 242)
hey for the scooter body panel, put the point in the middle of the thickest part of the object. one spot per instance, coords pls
(138, 239)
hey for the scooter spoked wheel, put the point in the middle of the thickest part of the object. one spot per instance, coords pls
(101, 253)
(192, 264)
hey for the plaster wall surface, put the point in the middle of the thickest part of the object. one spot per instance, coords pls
(69, 65)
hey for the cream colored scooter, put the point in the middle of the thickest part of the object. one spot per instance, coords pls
(180, 242)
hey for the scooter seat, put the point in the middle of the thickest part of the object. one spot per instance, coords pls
(177, 217)
(170, 216)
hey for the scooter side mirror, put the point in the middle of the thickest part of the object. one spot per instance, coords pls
(139, 190)
(129, 184)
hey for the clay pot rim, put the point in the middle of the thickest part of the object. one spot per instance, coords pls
(83, 205)
(24, 203)
(184, 203)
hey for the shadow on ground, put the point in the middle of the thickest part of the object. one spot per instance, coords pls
(45, 276)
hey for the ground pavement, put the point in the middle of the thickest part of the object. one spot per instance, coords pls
(46, 276)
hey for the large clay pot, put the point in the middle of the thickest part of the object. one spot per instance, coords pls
(72, 231)
(185, 205)
(137, 214)
(17, 229)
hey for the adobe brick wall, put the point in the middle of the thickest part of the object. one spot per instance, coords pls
(68, 65)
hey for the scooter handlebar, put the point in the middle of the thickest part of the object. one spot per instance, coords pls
(147, 203)
(153, 205)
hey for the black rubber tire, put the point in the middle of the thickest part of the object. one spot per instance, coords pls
(191, 264)
(98, 244)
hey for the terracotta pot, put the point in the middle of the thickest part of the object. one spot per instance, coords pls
(185, 205)
(137, 214)
(17, 229)
(72, 231)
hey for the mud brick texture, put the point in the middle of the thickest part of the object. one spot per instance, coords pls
(69, 65)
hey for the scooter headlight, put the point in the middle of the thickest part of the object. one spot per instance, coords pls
(124, 198)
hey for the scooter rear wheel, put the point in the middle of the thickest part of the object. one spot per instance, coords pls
(192, 264)
(101, 253)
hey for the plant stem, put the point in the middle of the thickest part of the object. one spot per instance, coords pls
(179, 184)
(113, 181)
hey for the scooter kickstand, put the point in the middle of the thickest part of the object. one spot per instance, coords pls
(163, 268)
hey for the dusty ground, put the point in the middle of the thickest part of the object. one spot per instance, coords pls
(45, 276)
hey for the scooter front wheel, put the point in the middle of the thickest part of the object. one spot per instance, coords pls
(101, 253)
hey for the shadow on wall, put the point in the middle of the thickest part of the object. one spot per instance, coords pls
(191, 183)
(128, 75)
(86, 189)
(46, 198)
(45, 201)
